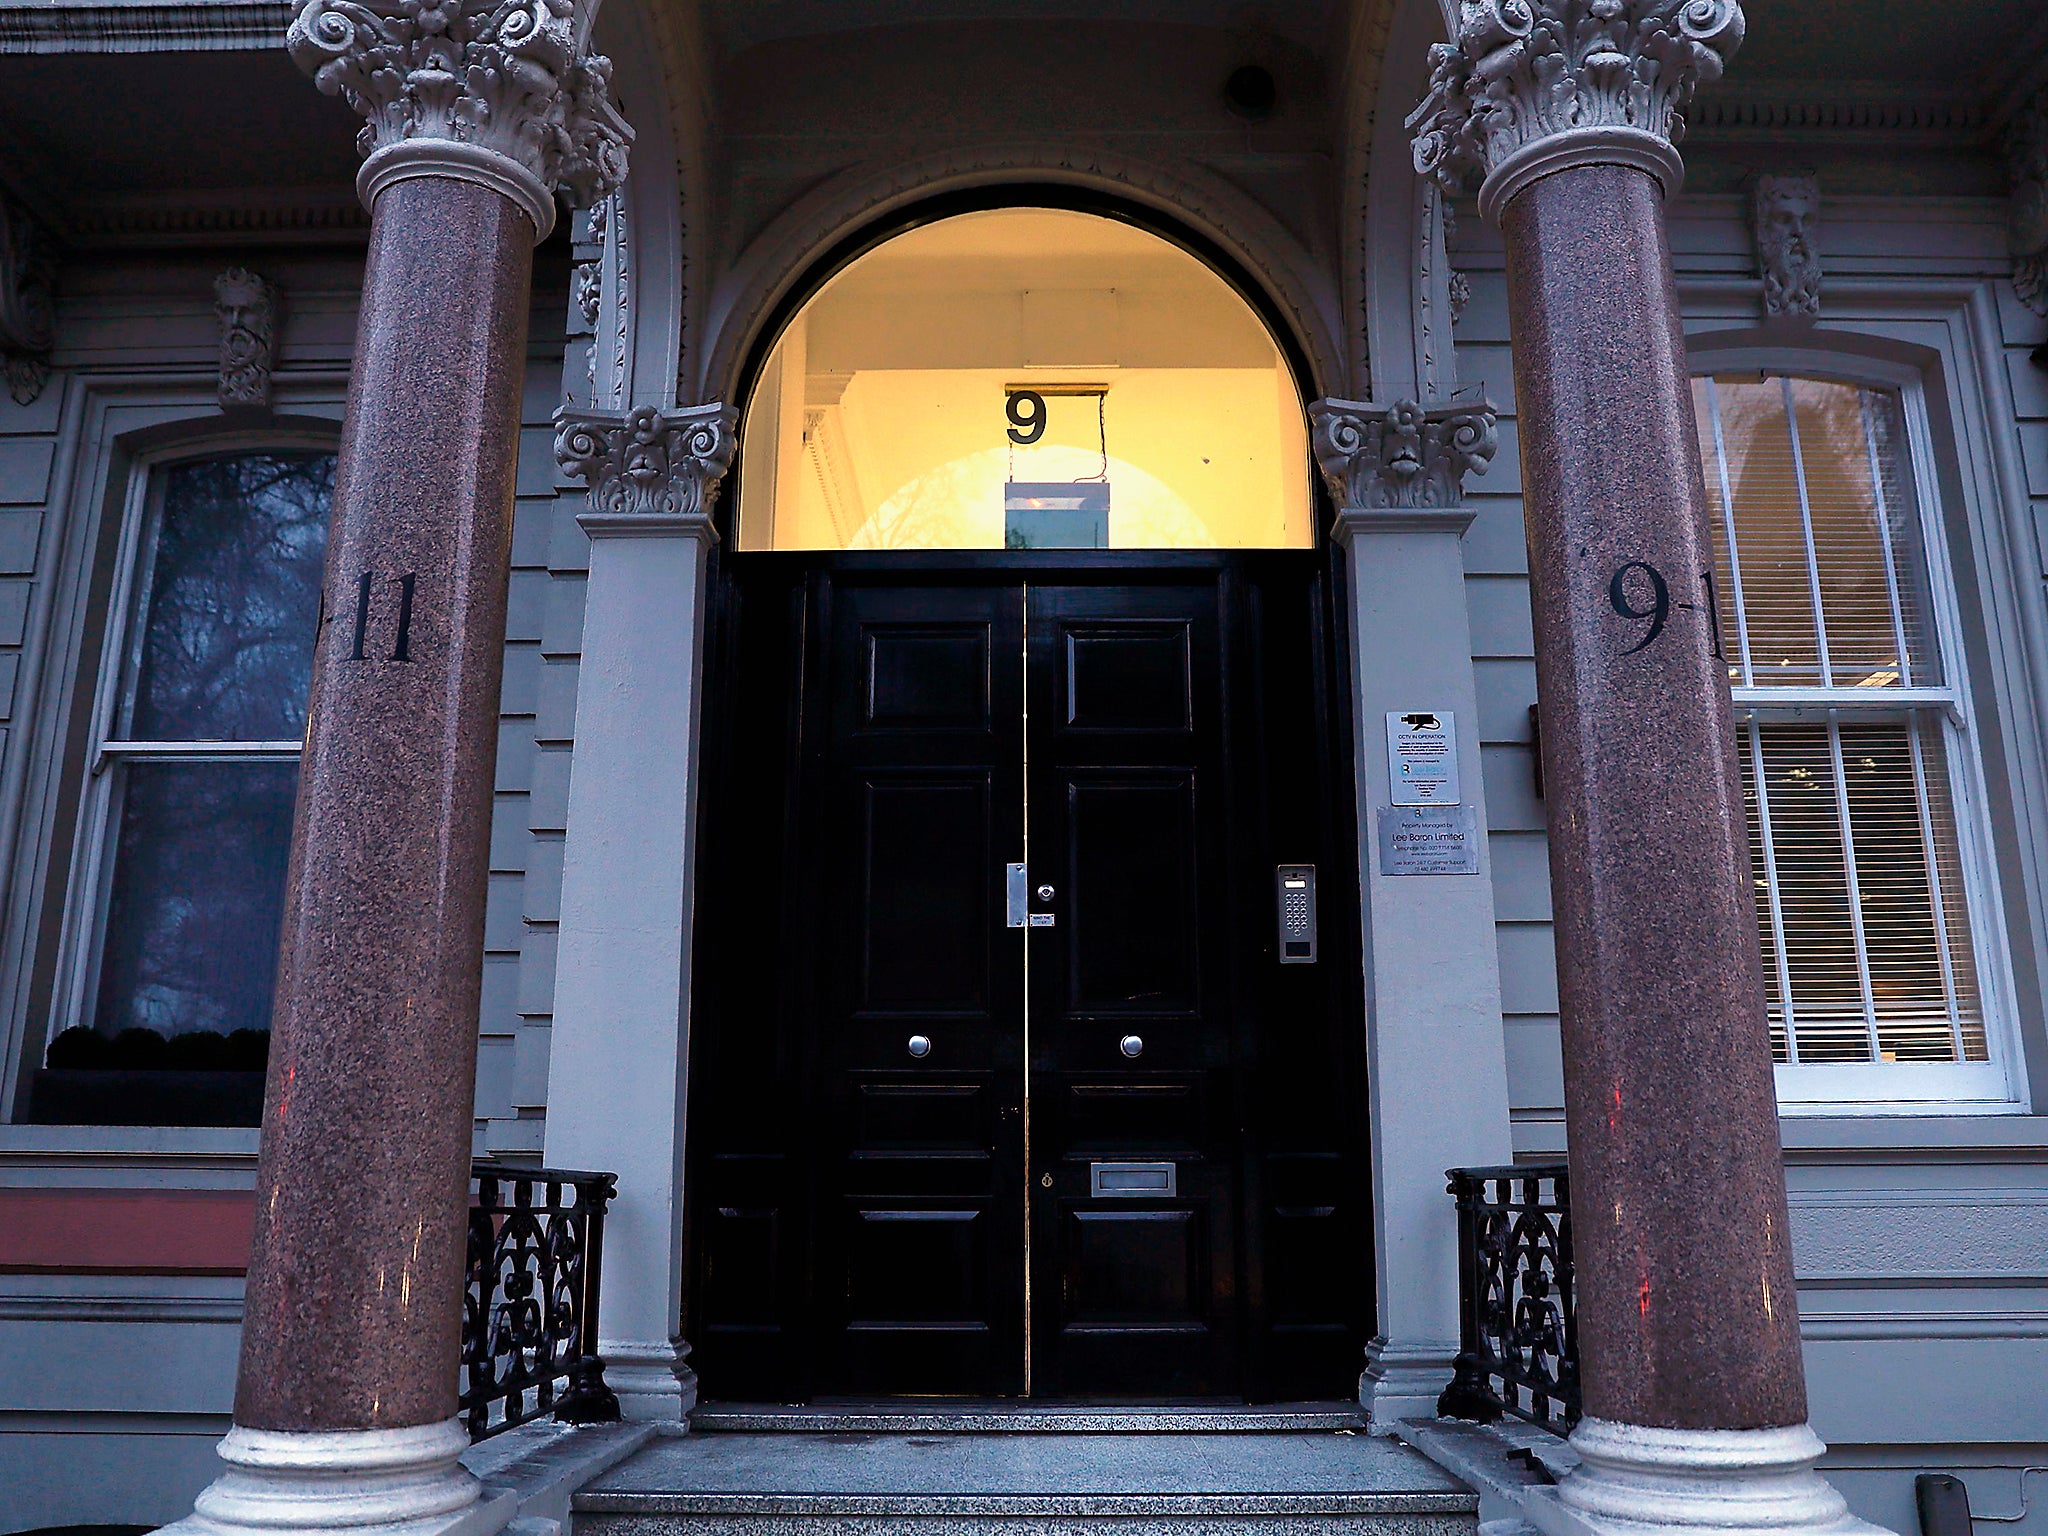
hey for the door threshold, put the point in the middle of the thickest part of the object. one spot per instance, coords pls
(969, 1416)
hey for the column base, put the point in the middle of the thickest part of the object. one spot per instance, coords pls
(1402, 1381)
(351, 1482)
(1633, 1480)
(654, 1382)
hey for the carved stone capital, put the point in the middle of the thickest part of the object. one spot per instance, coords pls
(647, 464)
(28, 309)
(2026, 160)
(1402, 455)
(247, 307)
(1529, 87)
(504, 93)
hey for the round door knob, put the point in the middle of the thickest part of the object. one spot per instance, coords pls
(1045, 893)
(920, 1046)
(1131, 1046)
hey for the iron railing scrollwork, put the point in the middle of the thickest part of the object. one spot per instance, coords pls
(1518, 1349)
(529, 1303)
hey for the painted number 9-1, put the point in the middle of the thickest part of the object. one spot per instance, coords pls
(1639, 592)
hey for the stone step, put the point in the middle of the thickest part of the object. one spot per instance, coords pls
(1132, 1483)
(1009, 1418)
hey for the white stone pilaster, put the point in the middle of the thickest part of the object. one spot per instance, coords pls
(1437, 1060)
(619, 1062)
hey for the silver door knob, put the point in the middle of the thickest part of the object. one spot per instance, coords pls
(1131, 1046)
(1045, 893)
(920, 1046)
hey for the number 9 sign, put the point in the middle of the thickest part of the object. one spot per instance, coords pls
(1026, 410)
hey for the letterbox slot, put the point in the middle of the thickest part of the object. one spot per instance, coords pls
(1133, 1181)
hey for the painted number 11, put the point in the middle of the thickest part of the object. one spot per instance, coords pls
(401, 645)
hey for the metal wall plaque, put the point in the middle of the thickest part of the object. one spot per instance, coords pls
(1428, 840)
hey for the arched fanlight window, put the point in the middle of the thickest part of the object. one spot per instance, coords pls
(1025, 378)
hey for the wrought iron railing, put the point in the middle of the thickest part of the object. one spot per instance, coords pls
(1518, 1349)
(529, 1303)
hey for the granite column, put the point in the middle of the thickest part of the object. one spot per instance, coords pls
(345, 1402)
(1692, 1379)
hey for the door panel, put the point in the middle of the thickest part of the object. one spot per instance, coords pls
(1134, 895)
(1130, 1294)
(919, 1260)
(1128, 677)
(922, 878)
(862, 1219)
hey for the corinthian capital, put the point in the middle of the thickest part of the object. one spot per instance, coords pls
(648, 464)
(501, 92)
(1531, 86)
(1402, 455)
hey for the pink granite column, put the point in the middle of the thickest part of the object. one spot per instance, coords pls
(355, 1286)
(1693, 1385)
(1687, 1315)
(345, 1403)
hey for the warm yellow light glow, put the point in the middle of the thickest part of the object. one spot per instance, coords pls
(892, 413)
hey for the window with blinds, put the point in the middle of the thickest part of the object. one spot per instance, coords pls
(1855, 750)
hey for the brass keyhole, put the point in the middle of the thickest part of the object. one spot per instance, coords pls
(1045, 1181)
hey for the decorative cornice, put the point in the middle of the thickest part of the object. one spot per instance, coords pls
(1782, 211)
(1405, 455)
(503, 93)
(1530, 87)
(2026, 160)
(310, 217)
(247, 307)
(647, 464)
(28, 310)
(1801, 111)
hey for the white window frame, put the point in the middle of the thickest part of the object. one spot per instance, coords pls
(1993, 1086)
(82, 944)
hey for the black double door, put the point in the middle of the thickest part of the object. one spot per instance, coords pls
(1029, 1125)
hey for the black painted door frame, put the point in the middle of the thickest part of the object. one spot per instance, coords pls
(1278, 1286)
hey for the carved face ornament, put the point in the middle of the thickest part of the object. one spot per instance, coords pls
(1787, 256)
(645, 459)
(245, 324)
(1785, 228)
(1401, 442)
(1607, 46)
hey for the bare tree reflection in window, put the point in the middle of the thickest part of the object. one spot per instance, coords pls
(220, 650)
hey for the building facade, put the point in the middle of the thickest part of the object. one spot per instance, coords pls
(1027, 663)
